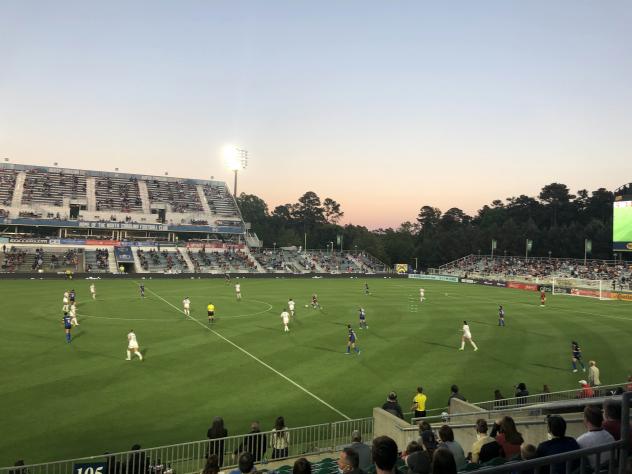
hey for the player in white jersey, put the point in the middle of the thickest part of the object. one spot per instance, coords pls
(285, 316)
(93, 291)
(132, 346)
(186, 304)
(238, 291)
(73, 315)
(66, 301)
(290, 306)
(421, 295)
(467, 336)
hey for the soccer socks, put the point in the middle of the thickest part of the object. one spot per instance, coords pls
(129, 355)
(68, 337)
(462, 345)
(583, 366)
(140, 356)
(474, 345)
(287, 329)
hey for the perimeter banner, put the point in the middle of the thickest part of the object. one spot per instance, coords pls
(449, 278)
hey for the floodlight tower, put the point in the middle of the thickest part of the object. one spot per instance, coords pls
(236, 158)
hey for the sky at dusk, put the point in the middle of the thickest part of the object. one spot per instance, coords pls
(382, 106)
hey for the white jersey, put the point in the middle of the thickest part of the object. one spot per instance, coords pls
(186, 303)
(65, 300)
(285, 316)
(237, 288)
(290, 305)
(73, 311)
(132, 343)
(421, 292)
(466, 332)
(91, 288)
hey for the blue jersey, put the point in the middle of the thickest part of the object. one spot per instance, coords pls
(577, 352)
(142, 288)
(72, 296)
(362, 314)
(501, 313)
(352, 336)
(67, 324)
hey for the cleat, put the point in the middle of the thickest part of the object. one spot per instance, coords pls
(574, 370)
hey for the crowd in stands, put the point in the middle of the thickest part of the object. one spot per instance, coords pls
(12, 258)
(7, 185)
(228, 260)
(50, 188)
(181, 195)
(102, 258)
(118, 193)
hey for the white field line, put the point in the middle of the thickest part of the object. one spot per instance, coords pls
(254, 357)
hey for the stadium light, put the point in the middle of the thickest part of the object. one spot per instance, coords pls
(235, 158)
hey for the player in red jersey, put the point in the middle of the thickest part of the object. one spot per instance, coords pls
(542, 297)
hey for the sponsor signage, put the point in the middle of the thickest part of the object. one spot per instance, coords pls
(122, 225)
(518, 285)
(451, 279)
(622, 246)
(106, 243)
(467, 280)
(17, 240)
(624, 296)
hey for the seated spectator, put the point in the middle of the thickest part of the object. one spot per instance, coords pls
(507, 436)
(446, 435)
(302, 466)
(419, 462)
(443, 462)
(612, 419)
(246, 464)
(212, 465)
(363, 450)
(349, 462)
(384, 454)
(491, 454)
(527, 451)
(596, 435)
(482, 438)
(559, 442)
(392, 406)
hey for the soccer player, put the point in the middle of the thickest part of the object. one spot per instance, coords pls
(67, 326)
(73, 314)
(290, 306)
(351, 340)
(315, 303)
(467, 336)
(238, 291)
(65, 300)
(72, 295)
(93, 291)
(227, 278)
(285, 316)
(186, 304)
(362, 315)
(421, 295)
(542, 297)
(366, 288)
(501, 316)
(577, 356)
(132, 346)
(210, 309)
(142, 290)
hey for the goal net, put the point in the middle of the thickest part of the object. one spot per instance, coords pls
(578, 287)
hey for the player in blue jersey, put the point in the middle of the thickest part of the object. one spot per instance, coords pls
(351, 341)
(72, 295)
(362, 316)
(67, 326)
(501, 316)
(142, 290)
(577, 356)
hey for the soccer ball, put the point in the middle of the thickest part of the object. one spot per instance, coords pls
(307, 306)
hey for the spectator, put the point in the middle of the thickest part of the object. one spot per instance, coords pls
(384, 454)
(419, 403)
(19, 470)
(612, 420)
(392, 406)
(280, 438)
(587, 391)
(443, 462)
(302, 466)
(446, 435)
(507, 436)
(521, 393)
(454, 393)
(482, 438)
(420, 462)
(527, 451)
(558, 442)
(137, 462)
(212, 465)
(593, 374)
(254, 442)
(491, 454)
(216, 433)
(363, 450)
(544, 397)
(499, 400)
(246, 464)
(349, 462)
(596, 435)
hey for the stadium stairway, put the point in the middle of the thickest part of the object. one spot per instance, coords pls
(144, 196)
(203, 200)
(18, 190)
(188, 261)
(112, 260)
(138, 268)
(258, 266)
(91, 196)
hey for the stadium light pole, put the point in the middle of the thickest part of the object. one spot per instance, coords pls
(236, 158)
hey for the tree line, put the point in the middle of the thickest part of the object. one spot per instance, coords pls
(556, 221)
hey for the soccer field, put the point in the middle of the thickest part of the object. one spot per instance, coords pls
(66, 400)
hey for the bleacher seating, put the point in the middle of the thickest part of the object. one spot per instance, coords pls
(162, 261)
(181, 195)
(220, 201)
(27, 259)
(97, 261)
(7, 186)
(43, 187)
(118, 194)
(227, 261)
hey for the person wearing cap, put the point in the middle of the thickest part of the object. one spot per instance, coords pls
(363, 450)
(482, 438)
(587, 391)
(392, 406)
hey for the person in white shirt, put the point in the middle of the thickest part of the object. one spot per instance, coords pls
(132, 346)
(186, 304)
(421, 295)
(66, 300)
(596, 435)
(238, 291)
(93, 291)
(467, 336)
(73, 315)
(290, 305)
(285, 316)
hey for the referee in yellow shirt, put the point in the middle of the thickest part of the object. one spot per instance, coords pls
(419, 403)
(210, 309)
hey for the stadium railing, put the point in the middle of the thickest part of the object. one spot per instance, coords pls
(191, 457)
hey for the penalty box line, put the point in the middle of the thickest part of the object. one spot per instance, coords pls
(267, 366)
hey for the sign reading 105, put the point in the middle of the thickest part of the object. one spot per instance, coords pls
(90, 468)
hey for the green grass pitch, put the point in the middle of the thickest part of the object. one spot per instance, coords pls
(66, 400)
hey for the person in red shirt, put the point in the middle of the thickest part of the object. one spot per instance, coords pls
(542, 297)
(507, 436)
(612, 419)
(587, 391)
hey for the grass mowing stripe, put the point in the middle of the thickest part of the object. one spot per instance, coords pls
(316, 397)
